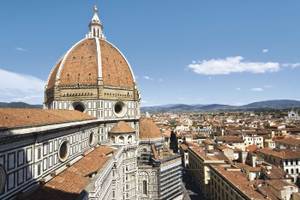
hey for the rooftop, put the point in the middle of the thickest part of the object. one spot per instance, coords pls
(70, 183)
(213, 155)
(230, 139)
(280, 153)
(289, 141)
(122, 127)
(239, 181)
(24, 117)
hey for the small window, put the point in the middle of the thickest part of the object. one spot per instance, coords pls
(121, 139)
(130, 139)
(113, 139)
(92, 139)
(145, 192)
(63, 151)
(2, 179)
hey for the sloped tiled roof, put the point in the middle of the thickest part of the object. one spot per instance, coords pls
(25, 117)
(280, 153)
(122, 127)
(70, 183)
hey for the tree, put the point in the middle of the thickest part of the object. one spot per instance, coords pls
(173, 142)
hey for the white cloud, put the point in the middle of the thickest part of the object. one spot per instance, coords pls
(238, 89)
(148, 78)
(21, 49)
(232, 65)
(291, 65)
(258, 89)
(265, 50)
(20, 87)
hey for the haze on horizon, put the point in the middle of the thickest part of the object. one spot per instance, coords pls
(195, 52)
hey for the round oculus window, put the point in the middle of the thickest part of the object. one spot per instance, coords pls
(79, 106)
(120, 109)
(63, 152)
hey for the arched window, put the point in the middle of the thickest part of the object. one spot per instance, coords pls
(121, 139)
(129, 139)
(145, 187)
(113, 139)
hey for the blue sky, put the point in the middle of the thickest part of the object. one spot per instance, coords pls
(231, 52)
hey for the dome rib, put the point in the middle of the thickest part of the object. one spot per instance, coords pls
(123, 58)
(52, 76)
(99, 59)
(65, 57)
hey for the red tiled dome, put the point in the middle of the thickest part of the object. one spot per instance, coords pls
(122, 127)
(148, 129)
(90, 60)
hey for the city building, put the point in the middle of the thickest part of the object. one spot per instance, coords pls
(199, 160)
(293, 115)
(159, 168)
(253, 139)
(286, 159)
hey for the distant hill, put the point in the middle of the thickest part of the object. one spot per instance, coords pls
(18, 105)
(272, 104)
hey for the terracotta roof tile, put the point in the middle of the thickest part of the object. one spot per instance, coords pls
(115, 69)
(19, 118)
(251, 148)
(230, 139)
(122, 127)
(52, 77)
(81, 66)
(148, 129)
(282, 154)
(239, 180)
(289, 141)
(70, 183)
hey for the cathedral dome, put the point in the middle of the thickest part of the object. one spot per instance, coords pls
(89, 61)
(93, 76)
(92, 61)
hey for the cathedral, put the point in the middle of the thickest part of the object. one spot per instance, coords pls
(89, 141)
